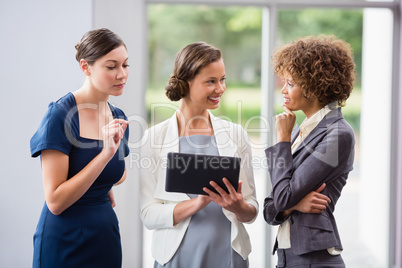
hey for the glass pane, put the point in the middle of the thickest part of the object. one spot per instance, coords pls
(237, 32)
(363, 193)
(376, 135)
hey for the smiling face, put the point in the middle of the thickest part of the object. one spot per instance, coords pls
(108, 74)
(293, 98)
(207, 87)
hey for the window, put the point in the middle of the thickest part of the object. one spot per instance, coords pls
(372, 45)
(246, 35)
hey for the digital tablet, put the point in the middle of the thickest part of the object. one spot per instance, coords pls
(190, 173)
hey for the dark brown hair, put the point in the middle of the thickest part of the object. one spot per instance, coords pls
(97, 43)
(321, 65)
(188, 63)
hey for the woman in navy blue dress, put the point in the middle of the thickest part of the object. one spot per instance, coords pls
(82, 141)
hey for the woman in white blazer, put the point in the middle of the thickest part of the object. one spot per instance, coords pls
(204, 230)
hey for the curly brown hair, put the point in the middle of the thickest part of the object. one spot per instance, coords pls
(188, 63)
(321, 65)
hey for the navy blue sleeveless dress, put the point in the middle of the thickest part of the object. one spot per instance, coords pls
(87, 233)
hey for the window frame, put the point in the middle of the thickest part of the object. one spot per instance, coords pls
(269, 30)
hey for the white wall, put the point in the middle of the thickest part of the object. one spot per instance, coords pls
(38, 66)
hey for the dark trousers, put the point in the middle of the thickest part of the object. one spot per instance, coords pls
(316, 259)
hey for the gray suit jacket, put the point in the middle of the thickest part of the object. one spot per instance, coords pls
(326, 155)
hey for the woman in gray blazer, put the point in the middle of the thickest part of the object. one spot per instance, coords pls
(310, 163)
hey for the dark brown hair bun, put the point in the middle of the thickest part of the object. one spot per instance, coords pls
(176, 88)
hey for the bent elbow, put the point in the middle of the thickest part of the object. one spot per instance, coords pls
(147, 223)
(268, 216)
(271, 215)
(54, 209)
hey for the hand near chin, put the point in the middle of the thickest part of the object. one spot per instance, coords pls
(113, 133)
(284, 124)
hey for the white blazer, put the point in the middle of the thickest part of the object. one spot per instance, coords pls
(157, 205)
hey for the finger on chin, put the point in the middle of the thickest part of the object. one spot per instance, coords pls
(287, 109)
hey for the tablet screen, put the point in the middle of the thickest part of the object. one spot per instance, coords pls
(190, 173)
